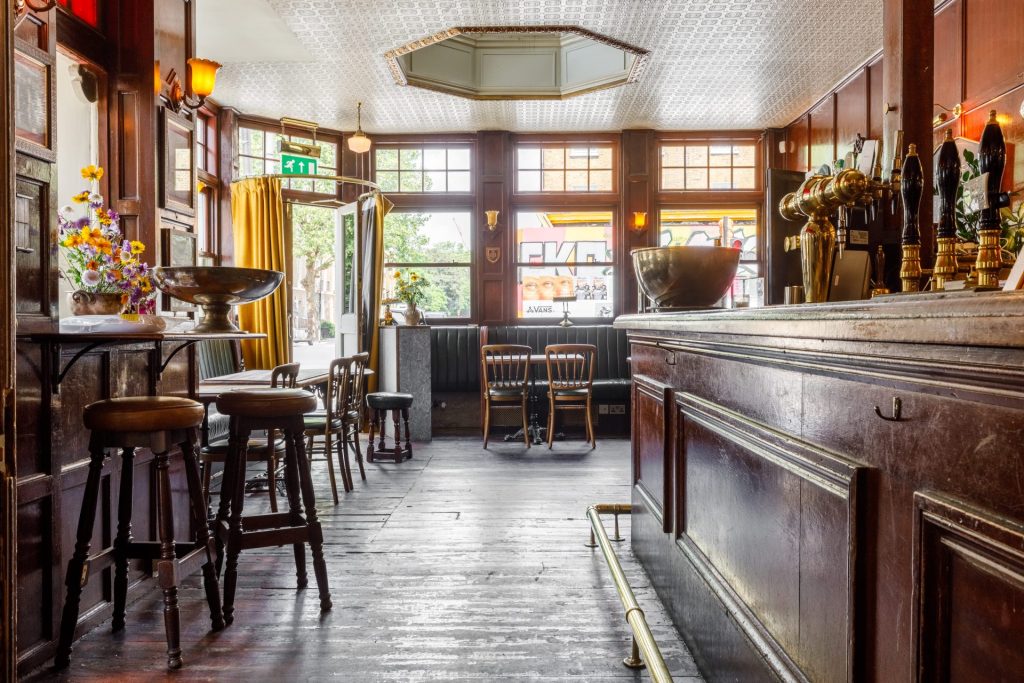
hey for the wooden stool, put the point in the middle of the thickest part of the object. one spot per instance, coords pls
(157, 423)
(281, 410)
(380, 403)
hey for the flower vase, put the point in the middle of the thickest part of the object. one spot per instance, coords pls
(95, 303)
(413, 315)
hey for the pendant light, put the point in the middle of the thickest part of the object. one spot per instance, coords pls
(358, 142)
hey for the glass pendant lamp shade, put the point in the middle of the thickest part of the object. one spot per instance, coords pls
(358, 142)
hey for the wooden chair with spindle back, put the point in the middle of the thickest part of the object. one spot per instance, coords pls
(283, 376)
(339, 421)
(506, 373)
(570, 383)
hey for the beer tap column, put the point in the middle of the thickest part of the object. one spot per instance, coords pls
(911, 189)
(947, 180)
(991, 161)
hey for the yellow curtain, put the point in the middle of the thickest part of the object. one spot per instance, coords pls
(257, 218)
(373, 282)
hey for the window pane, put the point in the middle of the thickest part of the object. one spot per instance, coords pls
(700, 227)
(458, 158)
(428, 237)
(248, 166)
(720, 155)
(554, 158)
(672, 156)
(591, 285)
(577, 157)
(696, 155)
(271, 167)
(528, 157)
(273, 148)
(410, 182)
(410, 159)
(673, 179)
(387, 159)
(720, 179)
(304, 185)
(203, 220)
(388, 181)
(601, 157)
(696, 179)
(324, 186)
(554, 181)
(529, 181)
(458, 181)
(250, 141)
(743, 179)
(434, 159)
(576, 181)
(328, 155)
(434, 181)
(564, 237)
(600, 181)
(743, 155)
(447, 291)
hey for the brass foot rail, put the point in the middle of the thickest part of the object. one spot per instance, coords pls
(644, 644)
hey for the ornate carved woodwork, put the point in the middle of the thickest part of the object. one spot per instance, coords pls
(810, 538)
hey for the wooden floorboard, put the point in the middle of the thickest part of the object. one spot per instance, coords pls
(458, 565)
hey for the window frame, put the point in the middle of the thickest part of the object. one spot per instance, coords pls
(424, 144)
(566, 141)
(444, 207)
(615, 263)
(722, 206)
(711, 196)
(271, 126)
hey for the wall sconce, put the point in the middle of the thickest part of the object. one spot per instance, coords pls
(639, 221)
(204, 77)
(492, 220)
(946, 115)
(358, 142)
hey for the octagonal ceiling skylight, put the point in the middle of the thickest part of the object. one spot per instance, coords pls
(516, 62)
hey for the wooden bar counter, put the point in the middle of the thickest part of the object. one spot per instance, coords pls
(59, 373)
(835, 492)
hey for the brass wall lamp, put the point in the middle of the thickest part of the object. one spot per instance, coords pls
(203, 78)
(639, 221)
(492, 220)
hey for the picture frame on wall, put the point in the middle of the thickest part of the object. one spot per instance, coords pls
(178, 247)
(177, 182)
(34, 93)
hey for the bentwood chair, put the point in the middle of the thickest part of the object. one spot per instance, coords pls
(270, 449)
(338, 423)
(506, 373)
(570, 383)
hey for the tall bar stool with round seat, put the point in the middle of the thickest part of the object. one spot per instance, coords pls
(380, 403)
(280, 410)
(156, 423)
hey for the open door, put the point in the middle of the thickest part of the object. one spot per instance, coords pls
(347, 274)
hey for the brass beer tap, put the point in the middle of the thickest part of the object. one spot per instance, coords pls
(911, 187)
(947, 179)
(991, 162)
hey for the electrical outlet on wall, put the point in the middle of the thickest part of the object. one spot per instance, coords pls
(617, 409)
(602, 409)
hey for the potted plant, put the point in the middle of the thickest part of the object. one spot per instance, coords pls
(410, 289)
(104, 268)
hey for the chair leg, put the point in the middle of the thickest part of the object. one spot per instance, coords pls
(124, 537)
(486, 422)
(330, 465)
(526, 423)
(272, 469)
(76, 566)
(201, 525)
(207, 477)
(551, 422)
(167, 565)
(291, 482)
(590, 426)
(316, 536)
(343, 460)
(359, 450)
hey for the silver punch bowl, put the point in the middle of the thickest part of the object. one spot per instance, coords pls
(216, 289)
(685, 277)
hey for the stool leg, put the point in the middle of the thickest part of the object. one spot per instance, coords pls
(405, 421)
(398, 435)
(369, 447)
(124, 537)
(382, 415)
(291, 482)
(236, 456)
(316, 535)
(76, 576)
(167, 565)
(272, 469)
(197, 499)
(227, 484)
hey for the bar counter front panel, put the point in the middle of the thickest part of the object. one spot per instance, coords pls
(797, 533)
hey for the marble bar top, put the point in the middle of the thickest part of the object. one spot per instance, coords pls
(974, 319)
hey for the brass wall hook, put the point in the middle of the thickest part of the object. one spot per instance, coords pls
(897, 410)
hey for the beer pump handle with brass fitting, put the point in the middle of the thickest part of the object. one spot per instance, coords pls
(947, 180)
(911, 189)
(991, 161)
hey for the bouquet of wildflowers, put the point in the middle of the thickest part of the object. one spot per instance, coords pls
(411, 289)
(99, 259)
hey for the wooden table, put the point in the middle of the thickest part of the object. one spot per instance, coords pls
(307, 377)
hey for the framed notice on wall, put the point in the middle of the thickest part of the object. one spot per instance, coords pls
(177, 248)
(177, 163)
(33, 104)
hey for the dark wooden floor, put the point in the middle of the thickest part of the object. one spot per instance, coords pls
(460, 564)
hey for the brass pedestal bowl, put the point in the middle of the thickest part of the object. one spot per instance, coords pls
(685, 277)
(216, 290)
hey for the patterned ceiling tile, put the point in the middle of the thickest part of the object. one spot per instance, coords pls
(714, 64)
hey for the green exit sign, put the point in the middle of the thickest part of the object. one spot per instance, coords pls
(293, 164)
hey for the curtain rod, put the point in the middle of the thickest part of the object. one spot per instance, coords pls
(336, 178)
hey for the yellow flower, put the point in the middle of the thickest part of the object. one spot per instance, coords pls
(145, 285)
(92, 172)
(138, 247)
(82, 197)
(102, 217)
(414, 277)
(398, 275)
(73, 240)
